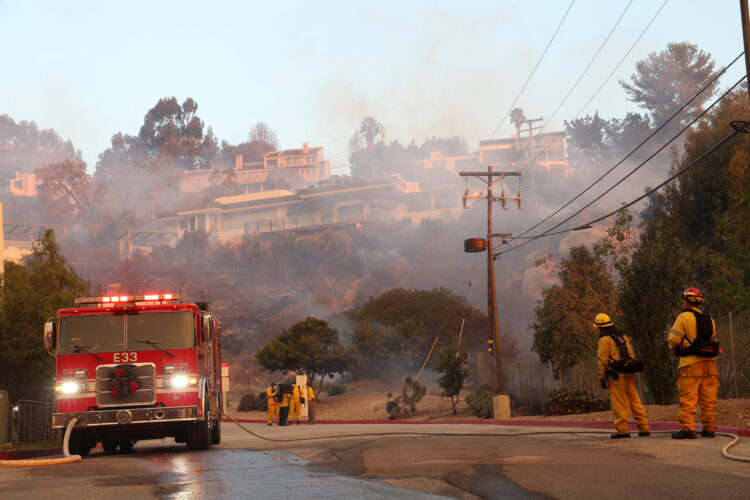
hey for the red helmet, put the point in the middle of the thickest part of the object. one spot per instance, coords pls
(692, 295)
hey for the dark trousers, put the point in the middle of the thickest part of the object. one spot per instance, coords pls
(283, 414)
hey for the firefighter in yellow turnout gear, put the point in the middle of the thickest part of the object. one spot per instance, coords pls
(310, 405)
(622, 391)
(295, 404)
(273, 405)
(693, 338)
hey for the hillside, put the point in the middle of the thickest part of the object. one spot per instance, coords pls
(366, 400)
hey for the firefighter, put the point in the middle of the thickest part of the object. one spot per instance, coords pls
(622, 391)
(698, 379)
(310, 404)
(295, 404)
(273, 406)
(286, 396)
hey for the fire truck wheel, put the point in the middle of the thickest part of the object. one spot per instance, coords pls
(126, 445)
(198, 436)
(109, 445)
(216, 432)
(81, 442)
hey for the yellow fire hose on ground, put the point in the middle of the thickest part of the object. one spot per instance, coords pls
(41, 462)
(724, 451)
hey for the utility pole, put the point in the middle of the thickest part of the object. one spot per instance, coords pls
(746, 37)
(473, 245)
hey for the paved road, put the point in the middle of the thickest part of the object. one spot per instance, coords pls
(413, 466)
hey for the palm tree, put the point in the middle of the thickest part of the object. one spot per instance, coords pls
(371, 129)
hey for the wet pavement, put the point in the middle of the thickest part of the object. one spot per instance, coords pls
(413, 461)
(172, 472)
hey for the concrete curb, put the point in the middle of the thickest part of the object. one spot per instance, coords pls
(586, 424)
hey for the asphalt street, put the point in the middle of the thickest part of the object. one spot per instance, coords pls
(412, 461)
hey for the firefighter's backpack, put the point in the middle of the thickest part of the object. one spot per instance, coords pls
(702, 345)
(625, 364)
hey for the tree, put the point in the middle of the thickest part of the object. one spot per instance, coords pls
(264, 134)
(32, 293)
(454, 372)
(399, 326)
(24, 148)
(664, 81)
(65, 188)
(371, 131)
(310, 346)
(563, 335)
(448, 146)
(175, 131)
(411, 394)
(193, 247)
(107, 228)
(517, 118)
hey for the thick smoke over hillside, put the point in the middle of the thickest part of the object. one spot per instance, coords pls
(258, 286)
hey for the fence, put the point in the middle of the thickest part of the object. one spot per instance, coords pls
(33, 422)
(528, 382)
(733, 331)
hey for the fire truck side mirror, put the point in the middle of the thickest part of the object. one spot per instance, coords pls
(50, 335)
(206, 327)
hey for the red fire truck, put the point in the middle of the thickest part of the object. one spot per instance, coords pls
(136, 367)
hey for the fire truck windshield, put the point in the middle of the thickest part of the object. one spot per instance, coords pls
(95, 333)
(161, 330)
(146, 331)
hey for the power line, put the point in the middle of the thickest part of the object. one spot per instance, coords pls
(585, 226)
(623, 59)
(685, 105)
(527, 80)
(670, 179)
(591, 62)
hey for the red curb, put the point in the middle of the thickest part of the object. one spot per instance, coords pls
(21, 454)
(589, 424)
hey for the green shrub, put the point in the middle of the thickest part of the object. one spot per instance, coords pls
(480, 401)
(411, 394)
(250, 402)
(567, 401)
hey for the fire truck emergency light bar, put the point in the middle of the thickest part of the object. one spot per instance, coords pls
(117, 299)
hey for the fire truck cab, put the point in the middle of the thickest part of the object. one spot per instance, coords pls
(136, 367)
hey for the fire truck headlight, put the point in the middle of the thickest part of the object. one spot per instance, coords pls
(70, 387)
(179, 381)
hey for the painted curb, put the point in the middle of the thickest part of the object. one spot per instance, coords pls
(22, 454)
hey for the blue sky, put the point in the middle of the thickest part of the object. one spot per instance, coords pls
(312, 70)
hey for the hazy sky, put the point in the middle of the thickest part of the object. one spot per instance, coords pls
(312, 70)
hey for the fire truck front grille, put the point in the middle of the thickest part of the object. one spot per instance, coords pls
(124, 393)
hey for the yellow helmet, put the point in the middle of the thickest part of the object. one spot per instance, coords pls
(602, 320)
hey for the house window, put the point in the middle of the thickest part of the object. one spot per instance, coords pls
(350, 214)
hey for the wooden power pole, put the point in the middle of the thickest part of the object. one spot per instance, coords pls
(746, 37)
(480, 244)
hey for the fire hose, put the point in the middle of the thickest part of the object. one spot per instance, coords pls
(68, 458)
(724, 451)
(41, 462)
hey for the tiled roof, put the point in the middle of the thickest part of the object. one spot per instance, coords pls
(292, 152)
